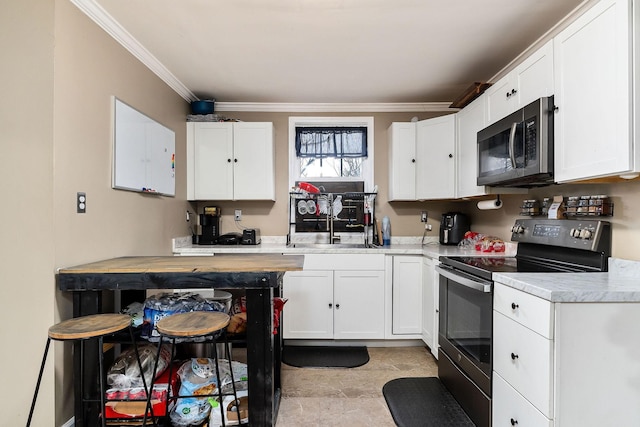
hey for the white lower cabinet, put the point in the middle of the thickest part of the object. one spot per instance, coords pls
(430, 304)
(511, 409)
(327, 300)
(564, 364)
(308, 312)
(407, 295)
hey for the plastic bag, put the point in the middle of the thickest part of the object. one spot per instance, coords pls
(197, 377)
(165, 304)
(125, 372)
(231, 411)
(481, 242)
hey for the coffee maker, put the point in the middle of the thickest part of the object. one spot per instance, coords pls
(452, 228)
(208, 226)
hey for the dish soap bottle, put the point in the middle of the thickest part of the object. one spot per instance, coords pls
(386, 231)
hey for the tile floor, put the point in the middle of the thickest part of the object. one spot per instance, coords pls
(351, 397)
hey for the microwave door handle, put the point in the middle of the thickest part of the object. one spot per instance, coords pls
(512, 141)
(478, 286)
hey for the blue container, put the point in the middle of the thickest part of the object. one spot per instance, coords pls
(202, 107)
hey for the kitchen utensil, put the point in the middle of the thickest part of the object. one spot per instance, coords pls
(311, 207)
(309, 188)
(302, 207)
(379, 230)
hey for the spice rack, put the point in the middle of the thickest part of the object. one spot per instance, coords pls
(576, 206)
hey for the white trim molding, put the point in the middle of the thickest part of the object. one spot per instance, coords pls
(385, 107)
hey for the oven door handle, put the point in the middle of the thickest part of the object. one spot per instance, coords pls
(478, 286)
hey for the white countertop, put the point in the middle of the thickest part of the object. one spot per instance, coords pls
(620, 284)
(277, 244)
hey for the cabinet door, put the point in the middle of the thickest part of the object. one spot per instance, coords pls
(309, 310)
(435, 148)
(359, 304)
(211, 168)
(500, 99)
(534, 76)
(407, 295)
(253, 161)
(592, 78)
(470, 120)
(429, 334)
(402, 161)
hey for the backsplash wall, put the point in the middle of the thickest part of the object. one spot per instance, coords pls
(625, 222)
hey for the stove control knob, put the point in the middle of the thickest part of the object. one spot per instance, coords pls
(575, 232)
(585, 234)
(518, 229)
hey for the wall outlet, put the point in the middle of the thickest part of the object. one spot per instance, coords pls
(81, 202)
(238, 215)
(423, 216)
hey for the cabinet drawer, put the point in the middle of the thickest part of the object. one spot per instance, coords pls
(510, 408)
(349, 262)
(533, 312)
(525, 360)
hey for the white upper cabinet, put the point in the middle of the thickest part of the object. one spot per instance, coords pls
(436, 149)
(594, 94)
(471, 119)
(532, 79)
(230, 161)
(421, 156)
(402, 161)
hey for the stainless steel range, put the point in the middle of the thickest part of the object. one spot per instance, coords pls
(466, 298)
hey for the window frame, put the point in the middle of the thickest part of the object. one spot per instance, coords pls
(367, 162)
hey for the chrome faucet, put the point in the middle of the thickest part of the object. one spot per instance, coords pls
(330, 211)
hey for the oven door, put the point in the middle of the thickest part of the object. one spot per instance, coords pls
(465, 330)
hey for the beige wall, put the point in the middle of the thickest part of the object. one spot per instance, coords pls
(625, 222)
(26, 222)
(60, 71)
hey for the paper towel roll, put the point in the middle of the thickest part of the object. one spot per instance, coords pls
(489, 204)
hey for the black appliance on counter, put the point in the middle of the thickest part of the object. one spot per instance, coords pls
(466, 299)
(208, 226)
(250, 236)
(452, 228)
(230, 239)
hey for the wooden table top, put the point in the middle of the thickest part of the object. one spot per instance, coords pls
(227, 263)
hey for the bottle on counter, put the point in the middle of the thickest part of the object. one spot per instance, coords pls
(386, 231)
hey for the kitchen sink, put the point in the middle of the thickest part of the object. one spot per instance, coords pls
(329, 245)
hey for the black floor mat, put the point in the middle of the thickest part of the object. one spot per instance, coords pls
(423, 402)
(324, 357)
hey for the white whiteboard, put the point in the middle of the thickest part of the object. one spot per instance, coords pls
(143, 152)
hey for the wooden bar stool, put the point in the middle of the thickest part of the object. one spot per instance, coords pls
(95, 326)
(191, 325)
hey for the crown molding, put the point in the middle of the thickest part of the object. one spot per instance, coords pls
(105, 21)
(388, 107)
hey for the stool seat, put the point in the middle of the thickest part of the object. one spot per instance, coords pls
(193, 324)
(89, 326)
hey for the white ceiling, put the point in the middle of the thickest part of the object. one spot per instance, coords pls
(327, 51)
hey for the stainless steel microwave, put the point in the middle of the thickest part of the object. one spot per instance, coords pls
(517, 151)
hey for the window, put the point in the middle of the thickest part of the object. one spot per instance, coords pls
(331, 149)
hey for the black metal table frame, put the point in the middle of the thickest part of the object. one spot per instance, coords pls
(263, 347)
